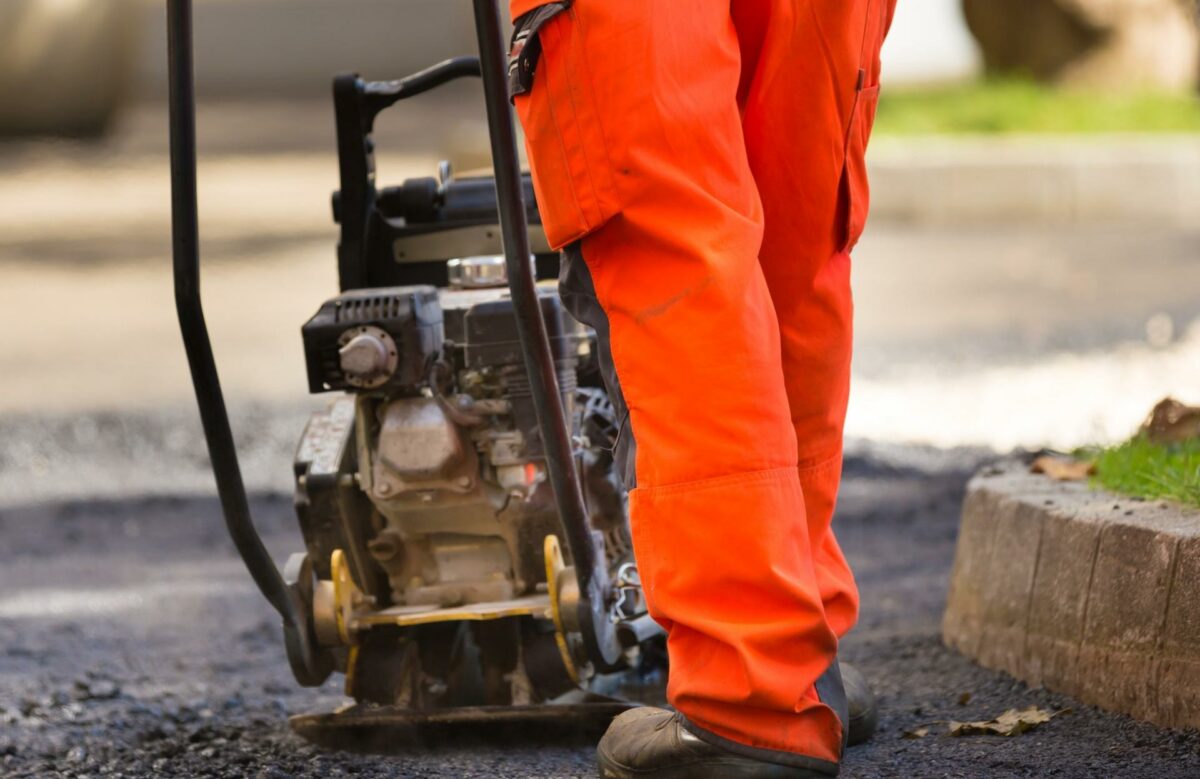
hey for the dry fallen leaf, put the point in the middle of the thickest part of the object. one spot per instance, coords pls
(1172, 422)
(1062, 468)
(1010, 723)
(920, 732)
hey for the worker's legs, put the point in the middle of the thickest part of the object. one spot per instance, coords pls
(636, 142)
(808, 94)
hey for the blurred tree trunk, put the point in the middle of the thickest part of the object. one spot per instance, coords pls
(1109, 44)
(65, 65)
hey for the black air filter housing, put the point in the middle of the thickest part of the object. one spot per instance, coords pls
(412, 316)
(492, 343)
(492, 339)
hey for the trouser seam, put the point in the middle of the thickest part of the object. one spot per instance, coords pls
(724, 480)
(823, 462)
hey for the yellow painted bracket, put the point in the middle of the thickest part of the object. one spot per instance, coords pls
(554, 568)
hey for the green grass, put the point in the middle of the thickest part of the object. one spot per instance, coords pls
(1145, 470)
(1016, 106)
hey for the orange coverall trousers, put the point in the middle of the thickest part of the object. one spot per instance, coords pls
(702, 163)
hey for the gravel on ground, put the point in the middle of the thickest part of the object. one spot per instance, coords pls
(133, 644)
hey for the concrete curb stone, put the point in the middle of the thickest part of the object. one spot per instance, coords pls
(1039, 179)
(1080, 591)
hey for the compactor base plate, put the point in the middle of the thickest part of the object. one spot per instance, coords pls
(390, 729)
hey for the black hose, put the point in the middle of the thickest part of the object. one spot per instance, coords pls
(185, 245)
(603, 650)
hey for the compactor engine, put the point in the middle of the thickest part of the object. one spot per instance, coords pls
(467, 559)
(426, 480)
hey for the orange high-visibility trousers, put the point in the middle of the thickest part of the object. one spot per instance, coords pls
(702, 164)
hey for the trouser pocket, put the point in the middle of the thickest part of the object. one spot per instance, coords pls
(855, 188)
(564, 137)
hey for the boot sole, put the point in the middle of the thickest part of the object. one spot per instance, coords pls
(724, 768)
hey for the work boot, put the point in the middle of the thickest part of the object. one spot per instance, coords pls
(860, 701)
(649, 743)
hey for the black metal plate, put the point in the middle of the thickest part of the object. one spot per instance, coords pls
(386, 729)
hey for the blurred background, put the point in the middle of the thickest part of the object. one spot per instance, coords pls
(1031, 275)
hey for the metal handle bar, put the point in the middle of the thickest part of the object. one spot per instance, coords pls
(186, 250)
(600, 639)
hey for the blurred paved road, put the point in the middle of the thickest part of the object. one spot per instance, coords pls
(997, 335)
(946, 316)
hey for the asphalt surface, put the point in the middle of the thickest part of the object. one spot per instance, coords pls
(133, 644)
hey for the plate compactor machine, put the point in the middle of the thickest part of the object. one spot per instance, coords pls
(467, 563)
